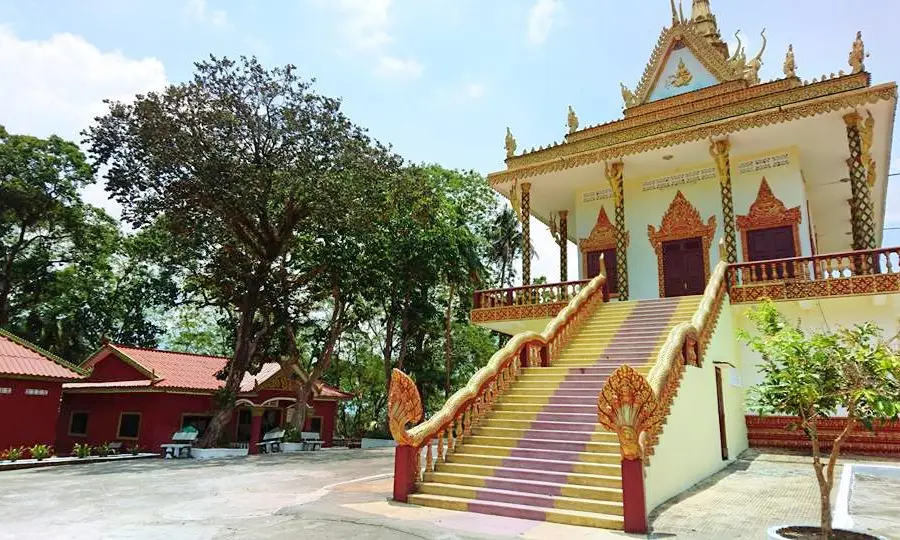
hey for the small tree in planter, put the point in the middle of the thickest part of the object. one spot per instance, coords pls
(812, 376)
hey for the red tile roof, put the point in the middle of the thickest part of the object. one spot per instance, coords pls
(20, 358)
(184, 371)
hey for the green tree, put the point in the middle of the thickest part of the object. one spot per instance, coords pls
(505, 246)
(812, 375)
(43, 223)
(258, 181)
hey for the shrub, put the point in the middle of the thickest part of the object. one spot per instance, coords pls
(292, 434)
(103, 450)
(13, 454)
(81, 450)
(40, 451)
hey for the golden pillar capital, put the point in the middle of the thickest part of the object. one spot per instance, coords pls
(720, 150)
(852, 119)
(526, 187)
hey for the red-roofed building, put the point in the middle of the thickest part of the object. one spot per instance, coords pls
(31, 382)
(142, 396)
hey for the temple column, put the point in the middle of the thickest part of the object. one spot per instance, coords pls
(256, 414)
(721, 153)
(614, 175)
(563, 241)
(862, 213)
(526, 233)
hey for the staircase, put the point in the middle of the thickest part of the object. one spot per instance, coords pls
(540, 453)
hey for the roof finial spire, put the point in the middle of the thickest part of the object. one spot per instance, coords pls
(705, 24)
(674, 13)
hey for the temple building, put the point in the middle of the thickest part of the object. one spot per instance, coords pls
(715, 189)
(140, 397)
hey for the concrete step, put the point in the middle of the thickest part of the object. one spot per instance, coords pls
(570, 465)
(553, 515)
(543, 416)
(542, 434)
(601, 447)
(542, 425)
(536, 408)
(549, 400)
(536, 475)
(527, 486)
(554, 454)
(613, 508)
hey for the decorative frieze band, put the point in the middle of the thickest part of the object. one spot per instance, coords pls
(764, 163)
(680, 179)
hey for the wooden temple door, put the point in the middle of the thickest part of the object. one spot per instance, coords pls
(683, 267)
(768, 245)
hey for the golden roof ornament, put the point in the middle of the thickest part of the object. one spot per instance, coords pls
(866, 135)
(572, 120)
(858, 55)
(790, 64)
(738, 61)
(680, 78)
(628, 96)
(753, 67)
(514, 200)
(555, 231)
(510, 144)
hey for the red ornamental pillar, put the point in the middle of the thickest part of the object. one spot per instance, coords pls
(404, 472)
(256, 414)
(635, 506)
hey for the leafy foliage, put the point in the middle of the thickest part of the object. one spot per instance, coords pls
(81, 450)
(40, 451)
(814, 376)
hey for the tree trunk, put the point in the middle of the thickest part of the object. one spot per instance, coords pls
(244, 347)
(336, 326)
(824, 487)
(448, 342)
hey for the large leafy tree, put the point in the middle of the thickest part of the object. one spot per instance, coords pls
(68, 277)
(258, 181)
(813, 375)
(44, 225)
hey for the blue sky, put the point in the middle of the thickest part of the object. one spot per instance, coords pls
(438, 79)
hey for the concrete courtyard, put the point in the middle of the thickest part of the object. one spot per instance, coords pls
(341, 494)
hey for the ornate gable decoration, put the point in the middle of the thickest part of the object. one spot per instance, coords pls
(603, 235)
(682, 221)
(683, 35)
(767, 211)
(283, 380)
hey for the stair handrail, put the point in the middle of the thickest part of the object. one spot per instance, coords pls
(468, 405)
(636, 407)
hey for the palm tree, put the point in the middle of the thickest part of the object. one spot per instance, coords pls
(505, 245)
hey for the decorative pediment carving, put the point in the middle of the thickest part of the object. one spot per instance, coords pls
(603, 235)
(683, 35)
(681, 221)
(768, 211)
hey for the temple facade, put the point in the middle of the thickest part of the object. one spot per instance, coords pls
(626, 384)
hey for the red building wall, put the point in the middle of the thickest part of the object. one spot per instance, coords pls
(27, 420)
(160, 416)
(113, 369)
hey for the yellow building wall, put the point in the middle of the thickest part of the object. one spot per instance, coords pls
(645, 207)
(689, 449)
(833, 313)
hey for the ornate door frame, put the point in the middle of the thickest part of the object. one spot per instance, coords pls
(681, 221)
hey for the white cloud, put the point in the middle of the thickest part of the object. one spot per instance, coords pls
(390, 66)
(366, 22)
(199, 11)
(541, 18)
(57, 86)
(474, 90)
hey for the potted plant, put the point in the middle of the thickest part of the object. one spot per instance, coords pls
(135, 450)
(102, 450)
(811, 376)
(40, 451)
(13, 454)
(81, 450)
(293, 441)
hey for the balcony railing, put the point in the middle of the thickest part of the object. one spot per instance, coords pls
(837, 274)
(533, 302)
(548, 293)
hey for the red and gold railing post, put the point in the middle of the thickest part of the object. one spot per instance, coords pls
(634, 505)
(405, 472)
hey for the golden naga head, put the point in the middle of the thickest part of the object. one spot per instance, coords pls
(404, 406)
(627, 406)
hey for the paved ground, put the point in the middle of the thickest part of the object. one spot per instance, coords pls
(344, 494)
